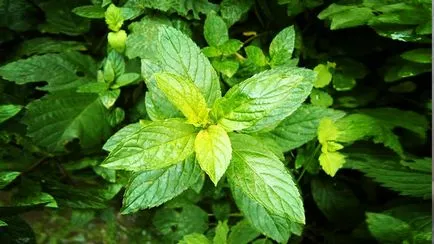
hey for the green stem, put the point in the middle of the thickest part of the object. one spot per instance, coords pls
(318, 147)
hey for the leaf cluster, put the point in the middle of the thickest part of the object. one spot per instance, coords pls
(232, 121)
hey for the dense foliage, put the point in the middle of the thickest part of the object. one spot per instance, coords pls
(234, 121)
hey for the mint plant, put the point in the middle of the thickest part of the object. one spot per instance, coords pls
(231, 121)
(217, 136)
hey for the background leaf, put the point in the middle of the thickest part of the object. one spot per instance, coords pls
(57, 119)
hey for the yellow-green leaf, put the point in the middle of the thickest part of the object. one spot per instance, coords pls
(327, 130)
(114, 18)
(324, 76)
(331, 162)
(185, 95)
(213, 151)
(117, 40)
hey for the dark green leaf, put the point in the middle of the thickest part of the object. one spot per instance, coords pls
(242, 233)
(7, 177)
(8, 111)
(386, 228)
(174, 223)
(60, 71)
(57, 119)
(391, 174)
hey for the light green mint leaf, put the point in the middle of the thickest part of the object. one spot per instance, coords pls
(215, 30)
(324, 77)
(211, 52)
(2, 223)
(262, 101)
(7, 177)
(123, 133)
(276, 227)
(271, 144)
(256, 56)
(393, 174)
(194, 238)
(179, 55)
(109, 72)
(301, 127)
(257, 173)
(114, 18)
(108, 98)
(233, 10)
(117, 40)
(152, 188)
(227, 67)
(60, 71)
(93, 87)
(321, 98)
(346, 16)
(213, 151)
(44, 45)
(89, 11)
(231, 46)
(57, 119)
(125, 80)
(282, 47)
(185, 95)
(8, 111)
(420, 55)
(387, 229)
(117, 62)
(221, 233)
(242, 233)
(156, 145)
